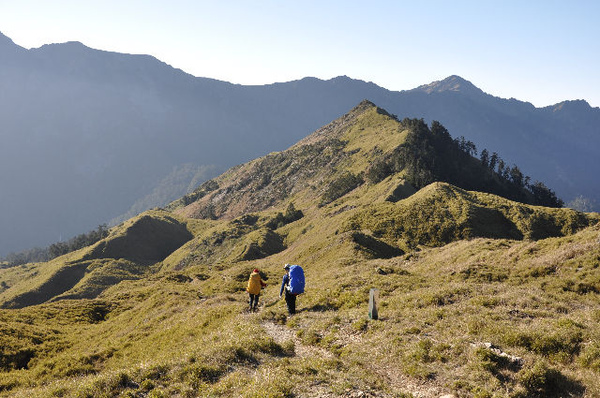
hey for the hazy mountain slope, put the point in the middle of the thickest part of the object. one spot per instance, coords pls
(87, 133)
(90, 132)
(157, 307)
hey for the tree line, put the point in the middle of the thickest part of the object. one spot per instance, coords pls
(430, 154)
(57, 249)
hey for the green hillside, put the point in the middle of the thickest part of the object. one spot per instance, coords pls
(480, 296)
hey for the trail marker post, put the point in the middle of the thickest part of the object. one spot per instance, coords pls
(373, 299)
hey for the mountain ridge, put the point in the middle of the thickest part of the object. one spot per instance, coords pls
(146, 118)
(451, 83)
(331, 142)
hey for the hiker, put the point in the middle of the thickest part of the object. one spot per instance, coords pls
(293, 284)
(290, 299)
(255, 284)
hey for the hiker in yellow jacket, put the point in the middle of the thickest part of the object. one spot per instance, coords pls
(255, 284)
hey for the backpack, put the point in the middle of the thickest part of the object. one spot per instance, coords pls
(296, 285)
(254, 284)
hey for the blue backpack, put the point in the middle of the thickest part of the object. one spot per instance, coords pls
(296, 285)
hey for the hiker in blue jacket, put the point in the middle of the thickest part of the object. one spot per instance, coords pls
(290, 299)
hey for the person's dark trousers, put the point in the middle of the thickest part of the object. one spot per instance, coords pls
(253, 301)
(290, 300)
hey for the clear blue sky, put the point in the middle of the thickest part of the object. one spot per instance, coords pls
(541, 51)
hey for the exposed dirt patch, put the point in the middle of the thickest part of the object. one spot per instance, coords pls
(282, 334)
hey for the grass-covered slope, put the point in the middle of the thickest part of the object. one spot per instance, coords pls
(441, 213)
(480, 296)
(128, 253)
(482, 317)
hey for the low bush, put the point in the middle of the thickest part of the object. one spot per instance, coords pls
(559, 344)
(541, 381)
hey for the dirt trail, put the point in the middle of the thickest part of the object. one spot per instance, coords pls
(282, 334)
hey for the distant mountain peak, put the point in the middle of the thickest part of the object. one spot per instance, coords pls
(69, 46)
(7, 43)
(572, 105)
(451, 83)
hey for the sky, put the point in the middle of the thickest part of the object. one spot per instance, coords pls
(539, 51)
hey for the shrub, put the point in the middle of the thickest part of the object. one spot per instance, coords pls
(561, 343)
(156, 372)
(590, 356)
(198, 374)
(490, 361)
(361, 325)
(157, 394)
(379, 170)
(425, 351)
(147, 385)
(280, 219)
(340, 187)
(539, 380)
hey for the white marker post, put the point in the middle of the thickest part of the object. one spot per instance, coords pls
(373, 299)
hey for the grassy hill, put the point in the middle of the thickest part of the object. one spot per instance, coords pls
(480, 296)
